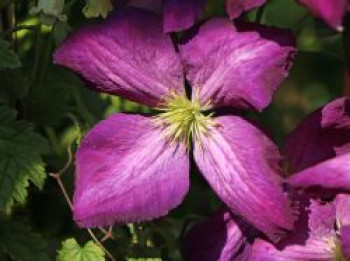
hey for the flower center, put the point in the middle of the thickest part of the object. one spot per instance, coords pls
(183, 118)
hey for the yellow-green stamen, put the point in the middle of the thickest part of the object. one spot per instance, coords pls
(183, 118)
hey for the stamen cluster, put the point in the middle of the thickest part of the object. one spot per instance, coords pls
(184, 119)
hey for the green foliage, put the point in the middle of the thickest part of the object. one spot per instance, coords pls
(8, 59)
(95, 8)
(19, 242)
(72, 251)
(20, 159)
(4, 3)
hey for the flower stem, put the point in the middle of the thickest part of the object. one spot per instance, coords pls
(57, 176)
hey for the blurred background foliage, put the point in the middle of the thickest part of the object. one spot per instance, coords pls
(45, 110)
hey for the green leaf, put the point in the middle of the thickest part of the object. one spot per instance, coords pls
(72, 251)
(96, 8)
(61, 31)
(20, 159)
(8, 59)
(19, 242)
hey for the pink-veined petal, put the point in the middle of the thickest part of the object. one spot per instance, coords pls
(242, 165)
(220, 238)
(332, 175)
(332, 12)
(234, 69)
(235, 8)
(181, 14)
(126, 55)
(323, 135)
(126, 171)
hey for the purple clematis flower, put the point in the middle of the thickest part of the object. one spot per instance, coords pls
(323, 234)
(133, 168)
(331, 11)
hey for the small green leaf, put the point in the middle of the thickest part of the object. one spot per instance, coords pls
(20, 159)
(8, 59)
(19, 242)
(96, 8)
(72, 251)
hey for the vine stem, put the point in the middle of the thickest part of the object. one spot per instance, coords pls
(260, 14)
(57, 176)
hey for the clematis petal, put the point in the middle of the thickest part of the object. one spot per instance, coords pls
(321, 136)
(234, 69)
(333, 174)
(181, 14)
(236, 7)
(220, 238)
(241, 164)
(342, 203)
(332, 12)
(126, 171)
(318, 246)
(127, 55)
(314, 250)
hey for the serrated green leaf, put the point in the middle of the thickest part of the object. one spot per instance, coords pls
(72, 251)
(8, 59)
(19, 242)
(20, 160)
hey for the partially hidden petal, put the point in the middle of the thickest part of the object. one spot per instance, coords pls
(127, 55)
(321, 136)
(126, 171)
(220, 238)
(332, 12)
(181, 14)
(314, 250)
(235, 8)
(332, 175)
(242, 165)
(342, 203)
(228, 68)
